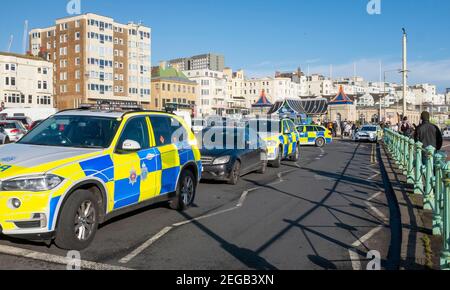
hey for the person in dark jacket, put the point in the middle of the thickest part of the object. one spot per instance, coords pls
(427, 133)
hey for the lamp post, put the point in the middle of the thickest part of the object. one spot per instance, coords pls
(404, 69)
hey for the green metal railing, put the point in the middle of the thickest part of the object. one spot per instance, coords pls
(429, 172)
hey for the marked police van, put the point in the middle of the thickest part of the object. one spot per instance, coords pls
(80, 168)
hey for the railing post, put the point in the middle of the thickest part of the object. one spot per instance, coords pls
(412, 155)
(405, 155)
(439, 158)
(418, 182)
(445, 256)
(400, 155)
(429, 172)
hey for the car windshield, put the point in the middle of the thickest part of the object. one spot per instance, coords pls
(73, 131)
(265, 126)
(369, 129)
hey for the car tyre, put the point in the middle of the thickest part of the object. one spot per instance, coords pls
(320, 142)
(296, 156)
(277, 162)
(263, 168)
(186, 191)
(6, 141)
(235, 173)
(78, 221)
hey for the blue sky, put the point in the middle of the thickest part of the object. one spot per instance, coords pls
(267, 35)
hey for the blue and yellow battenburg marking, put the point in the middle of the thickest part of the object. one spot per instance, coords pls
(128, 178)
(307, 138)
(4, 168)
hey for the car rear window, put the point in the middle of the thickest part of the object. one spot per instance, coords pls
(10, 125)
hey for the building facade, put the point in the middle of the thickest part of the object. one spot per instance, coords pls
(172, 90)
(212, 91)
(25, 81)
(96, 60)
(237, 104)
(210, 61)
(275, 89)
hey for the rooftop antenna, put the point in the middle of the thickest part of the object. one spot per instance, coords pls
(25, 37)
(11, 39)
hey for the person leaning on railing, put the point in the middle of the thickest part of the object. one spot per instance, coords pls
(427, 133)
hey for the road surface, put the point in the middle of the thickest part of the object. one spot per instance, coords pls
(325, 212)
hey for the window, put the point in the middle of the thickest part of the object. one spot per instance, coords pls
(310, 129)
(13, 81)
(167, 130)
(77, 48)
(135, 130)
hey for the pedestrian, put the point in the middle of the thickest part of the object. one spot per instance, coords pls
(353, 130)
(405, 128)
(427, 133)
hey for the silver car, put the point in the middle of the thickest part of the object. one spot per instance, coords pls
(14, 130)
(367, 133)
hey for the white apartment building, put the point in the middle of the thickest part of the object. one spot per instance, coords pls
(97, 59)
(212, 91)
(275, 89)
(318, 86)
(25, 81)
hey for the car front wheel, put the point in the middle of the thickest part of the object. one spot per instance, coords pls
(235, 173)
(78, 221)
(277, 162)
(296, 156)
(186, 190)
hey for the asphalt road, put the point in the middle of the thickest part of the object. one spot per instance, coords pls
(326, 212)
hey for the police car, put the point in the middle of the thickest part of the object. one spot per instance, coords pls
(314, 135)
(281, 137)
(80, 168)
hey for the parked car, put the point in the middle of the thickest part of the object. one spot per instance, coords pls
(27, 122)
(369, 133)
(79, 169)
(4, 139)
(15, 130)
(446, 133)
(314, 135)
(229, 153)
(281, 137)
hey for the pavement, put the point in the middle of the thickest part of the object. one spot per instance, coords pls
(330, 210)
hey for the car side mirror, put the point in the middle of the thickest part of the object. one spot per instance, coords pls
(131, 146)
